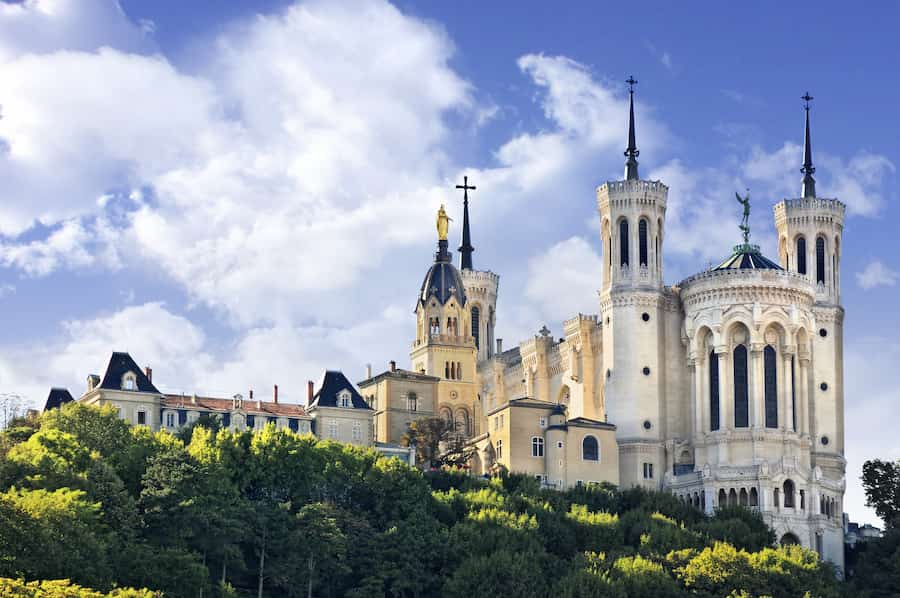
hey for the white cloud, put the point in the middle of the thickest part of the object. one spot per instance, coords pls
(563, 280)
(876, 274)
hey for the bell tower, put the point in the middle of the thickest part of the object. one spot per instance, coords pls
(633, 322)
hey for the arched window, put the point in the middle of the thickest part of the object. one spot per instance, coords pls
(623, 242)
(793, 396)
(462, 422)
(732, 498)
(777, 495)
(741, 396)
(723, 498)
(447, 415)
(453, 370)
(459, 370)
(476, 320)
(642, 242)
(801, 255)
(771, 387)
(754, 497)
(744, 498)
(537, 446)
(788, 493)
(590, 450)
(820, 260)
(713, 391)
(447, 370)
(802, 500)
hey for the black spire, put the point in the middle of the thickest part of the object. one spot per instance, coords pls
(809, 183)
(466, 249)
(631, 164)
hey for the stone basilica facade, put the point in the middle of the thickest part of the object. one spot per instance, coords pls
(725, 388)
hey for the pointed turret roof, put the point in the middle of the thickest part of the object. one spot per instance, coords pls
(466, 250)
(809, 183)
(631, 164)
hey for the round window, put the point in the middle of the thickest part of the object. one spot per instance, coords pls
(647, 424)
(823, 333)
(824, 386)
(646, 371)
(645, 317)
(825, 440)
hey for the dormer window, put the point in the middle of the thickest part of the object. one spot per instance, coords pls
(129, 381)
(344, 399)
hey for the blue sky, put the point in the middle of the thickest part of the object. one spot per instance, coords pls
(242, 193)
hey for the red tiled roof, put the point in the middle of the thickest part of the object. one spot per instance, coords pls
(247, 406)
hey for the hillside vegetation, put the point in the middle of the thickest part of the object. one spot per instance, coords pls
(88, 498)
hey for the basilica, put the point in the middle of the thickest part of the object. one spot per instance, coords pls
(723, 389)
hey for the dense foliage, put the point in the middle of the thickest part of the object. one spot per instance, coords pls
(88, 498)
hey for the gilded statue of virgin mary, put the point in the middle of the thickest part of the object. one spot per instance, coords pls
(443, 223)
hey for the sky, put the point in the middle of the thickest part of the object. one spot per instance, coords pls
(241, 194)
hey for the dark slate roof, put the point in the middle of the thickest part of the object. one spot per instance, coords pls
(747, 257)
(119, 365)
(333, 382)
(442, 281)
(57, 398)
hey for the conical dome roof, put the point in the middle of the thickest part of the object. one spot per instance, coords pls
(747, 257)
(443, 280)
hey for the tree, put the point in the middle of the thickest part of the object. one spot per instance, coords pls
(881, 481)
(321, 541)
(438, 443)
(205, 420)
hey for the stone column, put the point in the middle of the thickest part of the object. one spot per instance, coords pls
(787, 353)
(700, 376)
(756, 386)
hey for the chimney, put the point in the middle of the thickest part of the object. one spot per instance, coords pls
(276, 394)
(310, 388)
(194, 399)
(393, 365)
(251, 394)
(149, 373)
(368, 371)
(499, 346)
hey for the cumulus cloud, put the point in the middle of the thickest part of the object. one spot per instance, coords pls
(876, 274)
(563, 280)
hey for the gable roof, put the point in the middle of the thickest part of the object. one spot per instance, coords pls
(249, 406)
(333, 382)
(57, 398)
(119, 365)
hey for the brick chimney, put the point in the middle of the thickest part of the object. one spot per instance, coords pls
(149, 373)
(310, 391)
(276, 394)
(393, 365)
(368, 371)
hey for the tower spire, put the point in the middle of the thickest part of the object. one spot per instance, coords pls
(809, 183)
(466, 249)
(631, 164)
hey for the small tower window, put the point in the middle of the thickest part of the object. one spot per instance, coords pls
(713, 391)
(771, 387)
(820, 260)
(642, 242)
(741, 395)
(476, 320)
(623, 242)
(788, 493)
(590, 450)
(801, 255)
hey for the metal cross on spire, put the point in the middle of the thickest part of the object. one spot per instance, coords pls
(466, 249)
(631, 164)
(809, 183)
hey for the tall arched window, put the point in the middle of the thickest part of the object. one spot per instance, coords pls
(459, 370)
(741, 395)
(788, 493)
(642, 242)
(793, 397)
(713, 391)
(801, 255)
(590, 450)
(771, 387)
(820, 260)
(447, 370)
(732, 498)
(623, 242)
(744, 498)
(462, 422)
(723, 498)
(476, 320)
(754, 497)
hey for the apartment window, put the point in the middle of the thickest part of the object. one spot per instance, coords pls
(142, 418)
(648, 471)
(501, 421)
(357, 431)
(499, 449)
(332, 429)
(537, 446)
(170, 420)
(542, 422)
(412, 402)
(590, 449)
